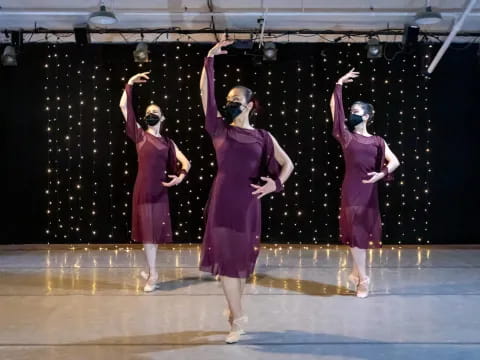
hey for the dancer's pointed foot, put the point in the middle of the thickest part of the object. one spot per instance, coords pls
(151, 283)
(362, 289)
(237, 330)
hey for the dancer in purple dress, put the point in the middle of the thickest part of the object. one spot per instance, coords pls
(157, 171)
(368, 159)
(245, 157)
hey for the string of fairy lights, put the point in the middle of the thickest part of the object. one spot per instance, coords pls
(49, 187)
(79, 142)
(126, 184)
(426, 115)
(108, 103)
(91, 163)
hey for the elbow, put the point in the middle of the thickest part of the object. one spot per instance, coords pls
(397, 163)
(394, 164)
(289, 166)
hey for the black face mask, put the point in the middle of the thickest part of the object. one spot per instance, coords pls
(231, 110)
(353, 120)
(152, 119)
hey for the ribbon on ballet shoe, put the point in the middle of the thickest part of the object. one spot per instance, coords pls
(144, 275)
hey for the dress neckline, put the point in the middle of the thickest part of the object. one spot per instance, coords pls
(242, 128)
(156, 137)
(365, 136)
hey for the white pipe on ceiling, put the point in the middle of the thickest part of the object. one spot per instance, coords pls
(450, 37)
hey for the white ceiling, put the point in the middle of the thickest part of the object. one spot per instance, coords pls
(337, 15)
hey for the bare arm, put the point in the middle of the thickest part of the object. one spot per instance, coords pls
(283, 159)
(177, 179)
(392, 160)
(182, 159)
(390, 167)
(272, 185)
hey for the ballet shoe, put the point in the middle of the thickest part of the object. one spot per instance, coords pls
(151, 284)
(354, 280)
(229, 317)
(144, 275)
(362, 289)
(234, 335)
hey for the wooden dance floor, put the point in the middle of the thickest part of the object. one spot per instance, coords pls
(63, 302)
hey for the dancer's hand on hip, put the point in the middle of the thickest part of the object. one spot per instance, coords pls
(266, 189)
(139, 78)
(175, 181)
(375, 176)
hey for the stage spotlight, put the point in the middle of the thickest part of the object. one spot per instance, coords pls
(410, 36)
(374, 48)
(9, 56)
(140, 54)
(82, 36)
(269, 52)
(17, 39)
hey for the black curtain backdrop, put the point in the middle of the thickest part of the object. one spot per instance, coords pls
(70, 168)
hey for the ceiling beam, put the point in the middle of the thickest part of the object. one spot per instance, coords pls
(156, 12)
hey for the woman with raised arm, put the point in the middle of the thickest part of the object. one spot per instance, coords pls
(158, 157)
(368, 159)
(251, 164)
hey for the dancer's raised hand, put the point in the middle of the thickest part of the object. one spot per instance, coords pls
(348, 77)
(217, 49)
(139, 78)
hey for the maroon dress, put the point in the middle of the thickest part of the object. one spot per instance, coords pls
(360, 222)
(233, 215)
(150, 206)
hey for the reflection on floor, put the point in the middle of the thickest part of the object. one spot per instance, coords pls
(66, 302)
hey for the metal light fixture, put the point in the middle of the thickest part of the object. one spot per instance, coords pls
(269, 52)
(9, 56)
(140, 54)
(374, 48)
(428, 16)
(102, 17)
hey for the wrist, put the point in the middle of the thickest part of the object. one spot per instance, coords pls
(278, 185)
(384, 172)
